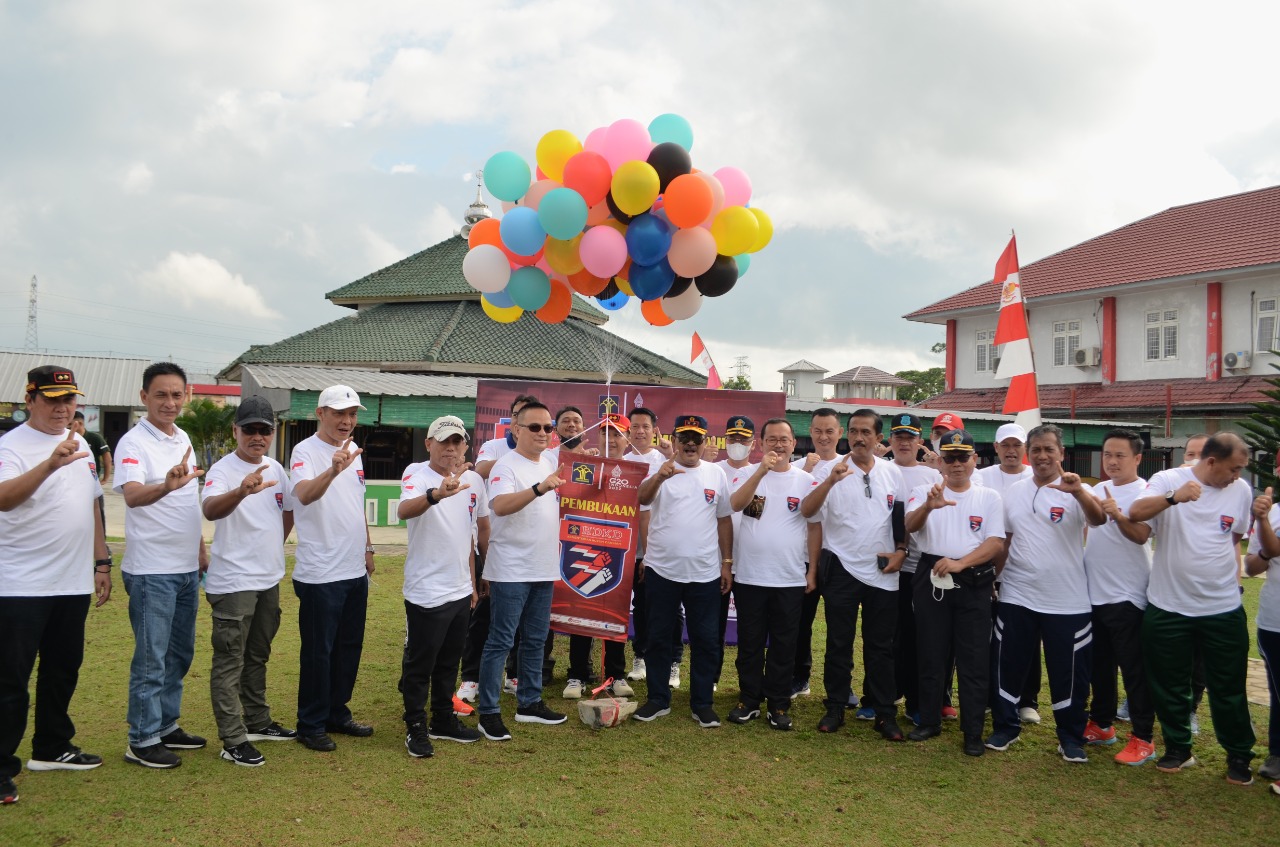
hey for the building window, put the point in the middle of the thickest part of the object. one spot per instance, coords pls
(1162, 335)
(1066, 341)
(987, 356)
(791, 387)
(1266, 335)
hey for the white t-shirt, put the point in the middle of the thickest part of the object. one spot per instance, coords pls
(771, 542)
(994, 477)
(493, 450)
(857, 527)
(437, 566)
(1194, 569)
(730, 473)
(1269, 597)
(953, 532)
(822, 469)
(684, 539)
(913, 477)
(524, 546)
(1118, 569)
(46, 542)
(248, 544)
(332, 533)
(1045, 568)
(164, 537)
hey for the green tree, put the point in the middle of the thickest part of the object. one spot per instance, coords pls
(940, 347)
(209, 427)
(737, 383)
(1262, 433)
(924, 384)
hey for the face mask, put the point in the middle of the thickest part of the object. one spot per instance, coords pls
(738, 452)
(571, 443)
(511, 439)
(941, 585)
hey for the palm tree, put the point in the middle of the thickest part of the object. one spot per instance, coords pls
(209, 427)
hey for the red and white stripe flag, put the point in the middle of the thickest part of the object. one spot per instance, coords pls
(701, 356)
(1017, 363)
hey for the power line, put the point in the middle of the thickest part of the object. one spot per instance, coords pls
(33, 340)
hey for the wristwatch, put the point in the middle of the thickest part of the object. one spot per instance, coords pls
(368, 548)
(1171, 498)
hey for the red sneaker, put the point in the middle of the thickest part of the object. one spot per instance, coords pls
(1094, 734)
(1136, 752)
(461, 708)
(949, 713)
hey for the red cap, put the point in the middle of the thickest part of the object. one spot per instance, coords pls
(948, 421)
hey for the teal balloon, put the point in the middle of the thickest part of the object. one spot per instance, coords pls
(562, 213)
(529, 288)
(507, 176)
(499, 298)
(744, 262)
(671, 128)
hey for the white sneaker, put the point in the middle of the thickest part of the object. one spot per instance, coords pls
(573, 691)
(1028, 715)
(637, 671)
(675, 675)
(622, 688)
(509, 687)
(1195, 724)
(469, 691)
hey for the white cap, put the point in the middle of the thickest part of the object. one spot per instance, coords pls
(338, 397)
(1011, 430)
(446, 427)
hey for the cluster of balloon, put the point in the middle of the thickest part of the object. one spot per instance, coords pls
(618, 216)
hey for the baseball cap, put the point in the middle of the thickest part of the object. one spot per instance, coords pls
(52, 381)
(740, 425)
(338, 397)
(255, 409)
(618, 422)
(905, 423)
(691, 423)
(946, 420)
(957, 440)
(447, 427)
(1011, 430)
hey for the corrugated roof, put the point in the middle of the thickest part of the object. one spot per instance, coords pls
(928, 414)
(305, 378)
(865, 374)
(1227, 233)
(105, 381)
(803, 365)
(1134, 395)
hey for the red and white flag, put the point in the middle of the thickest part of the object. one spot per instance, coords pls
(1017, 363)
(701, 356)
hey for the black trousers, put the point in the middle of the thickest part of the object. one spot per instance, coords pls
(767, 616)
(959, 626)
(1030, 693)
(1117, 643)
(1068, 653)
(844, 594)
(803, 666)
(615, 658)
(429, 667)
(639, 612)
(53, 629)
(331, 618)
(905, 661)
(724, 627)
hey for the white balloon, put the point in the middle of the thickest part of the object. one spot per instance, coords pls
(486, 268)
(683, 306)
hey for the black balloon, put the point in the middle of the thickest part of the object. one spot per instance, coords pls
(610, 291)
(680, 286)
(617, 213)
(670, 160)
(720, 278)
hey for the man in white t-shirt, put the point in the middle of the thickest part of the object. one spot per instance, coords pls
(776, 563)
(1117, 561)
(163, 559)
(332, 568)
(644, 425)
(521, 568)
(688, 561)
(53, 558)
(495, 448)
(1044, 595)
(445, 503)
(246, 493)
(1264, 558)
(1198, 515)
(740, 441)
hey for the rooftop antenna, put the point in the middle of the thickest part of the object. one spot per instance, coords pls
(477, 211)
(33, 340)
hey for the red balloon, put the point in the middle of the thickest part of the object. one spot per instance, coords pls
(588, 174)
(518, 261)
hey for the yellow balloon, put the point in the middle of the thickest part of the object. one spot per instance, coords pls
(624, 286)
(766, 230)
(502, 316)
(735, 230)
(562, 256)
(635, 186)
(554, 149)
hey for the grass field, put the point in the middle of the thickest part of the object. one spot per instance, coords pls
(669, 782)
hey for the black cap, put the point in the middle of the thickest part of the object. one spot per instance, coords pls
(956, 440)
(52, 381)
(740, 425)
(691, 423)
(255, 410)
(905, 423)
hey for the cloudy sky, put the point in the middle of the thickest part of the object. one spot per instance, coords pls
(186, 179)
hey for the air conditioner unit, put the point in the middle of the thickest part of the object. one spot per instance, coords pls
(1087, 357)
(1238, 361)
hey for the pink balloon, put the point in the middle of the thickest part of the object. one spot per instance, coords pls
(625, 141)
(683, 306)
(542, 265)
(603, 251)
(537, 191)
(693, 252)
(507, 205)
(595, 140)
(737, 186)
(717, 196)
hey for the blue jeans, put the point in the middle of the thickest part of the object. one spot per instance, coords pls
(331, 618)
(162, 612)
(523, 606)
(702, 618)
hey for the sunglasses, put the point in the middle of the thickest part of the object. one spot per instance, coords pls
(952, 458)
(690, 437)
(257, 429)
(866, 485)
(536, 428)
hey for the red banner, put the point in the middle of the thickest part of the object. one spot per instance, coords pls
(599, 527)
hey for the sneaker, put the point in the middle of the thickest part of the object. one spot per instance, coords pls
(622, 688)
(320, 742)
(1000, 740)
(707, 717)
(924, 733)
(1238, 772)
(889, 730)
(779, 719)
(949, 713)
(72, 760)
(1195, 724)
(1028, 715)
(1275, 789)
(1122, 713)
(418, 741)
(973, 746)
(179, 740)
(509, 686)
(674, 679)
(1136, 752)
(272, 732)
(743, 713)
(832, 720)
(853, 701)
(800, 689)
(1175, 760)
(914, 717)
(638, 671)
(8, 792)
(350, 727)
(244, 754)
(156, 756)
(649, 711)
(461, 707)
(1100, 735)
(452, 729)
(573, 691)
(1271, 768)
(538, 713)
(468, 691)
(1073, 753)
(492, 728)
(866, 713)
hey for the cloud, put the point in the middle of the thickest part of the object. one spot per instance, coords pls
(137, 179)
(379, 251)
(197, 281)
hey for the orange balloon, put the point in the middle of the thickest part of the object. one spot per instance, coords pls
(652, 311)
(488, 231)
(598, 214)
(625, 273)
(688, 200)
(558, 304)
(587, 285)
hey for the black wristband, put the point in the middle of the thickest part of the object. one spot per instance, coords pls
(102, 563)
(536, 492)
(431, 497)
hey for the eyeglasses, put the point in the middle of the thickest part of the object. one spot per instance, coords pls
(866, 485)
(952, 458)
(774, 442)
(536, 428)
(257, 429)
(690, 437)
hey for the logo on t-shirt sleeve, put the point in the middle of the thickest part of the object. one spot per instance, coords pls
(280, 501)
(360, 474)
(128, 460)
(889, 498)
(297, 465)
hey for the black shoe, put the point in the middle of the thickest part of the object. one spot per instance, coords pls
(451, 729)
(779, 719)
(973, 745)
(649, 711)
(889, 730)
(320, 742)
(833, 719)
(72, 760)
(492, 728)
(8, 792)
(1238, 772)
(243, 753)
(179, 740)
(538, 713)
(924, 733)
(742, 713)
(272, 732)
(156, 756)
(707, 717)
(418, 741)
(350, 727)
(1175, 760)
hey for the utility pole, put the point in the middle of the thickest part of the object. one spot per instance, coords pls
(33, 340)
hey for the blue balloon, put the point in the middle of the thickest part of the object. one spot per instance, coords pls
(529, 288)
(499, 298)
(648, 239)
(671, 128)
(507, 176)
(649, 282)
(562, 213)
(744, 262)
(615, 302)
(521, 232)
